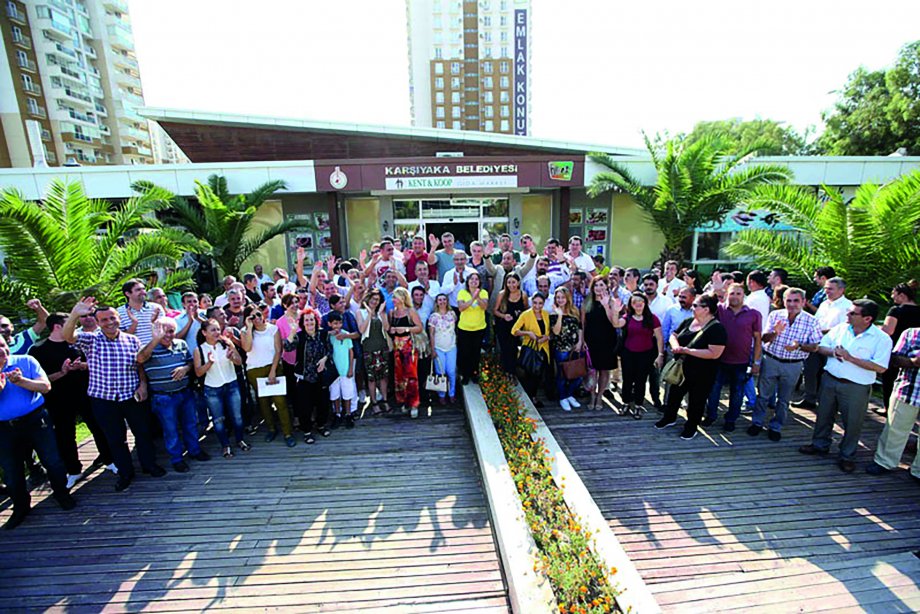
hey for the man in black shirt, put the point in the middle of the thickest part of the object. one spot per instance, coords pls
(66, 369)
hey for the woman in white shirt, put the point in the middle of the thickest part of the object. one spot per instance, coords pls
(214, 360)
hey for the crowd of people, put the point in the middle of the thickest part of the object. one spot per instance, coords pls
(392, 332)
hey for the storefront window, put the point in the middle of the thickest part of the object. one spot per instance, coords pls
(711, 245)
(405, 209)
(498, 207)
(404, 233)
(491, 231)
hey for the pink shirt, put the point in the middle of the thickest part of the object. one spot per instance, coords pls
(284, 327)
(638, 337)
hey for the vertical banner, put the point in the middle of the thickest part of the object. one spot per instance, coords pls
(520, 71)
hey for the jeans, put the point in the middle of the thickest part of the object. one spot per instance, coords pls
(565, 388)
(223, 403)
(177, 412)
(777, 380)
(636, 367)
(654, 383)
(17, 440)
(111, 416)
(852, 401)
(446, 364)
(737, 379)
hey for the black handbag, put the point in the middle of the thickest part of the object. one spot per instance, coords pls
(530, 361)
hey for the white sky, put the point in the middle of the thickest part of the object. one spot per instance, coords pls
(602, 71)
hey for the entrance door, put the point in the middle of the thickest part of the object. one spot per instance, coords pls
(464, 232)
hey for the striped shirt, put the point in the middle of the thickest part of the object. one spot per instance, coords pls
(907, 386)
(161, 364)
(144, 315)
(112, 364)
(804, 330)
(21, 342)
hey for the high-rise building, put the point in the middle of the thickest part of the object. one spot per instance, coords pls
(70, 85)
(469, 64)
(165, 150)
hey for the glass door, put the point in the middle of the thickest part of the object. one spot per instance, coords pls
(468, 219)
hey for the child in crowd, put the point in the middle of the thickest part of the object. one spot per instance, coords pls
(342, 390)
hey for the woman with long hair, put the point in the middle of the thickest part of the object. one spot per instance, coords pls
(693, 280)
(472, 302)
(567, 341)
(643, 348)
(375, 343)
(404, 322)
(312, 353)
(903, 314)
(511, 303)
(533, 327)
(442, 328)
(214, 361)
(288, 327)
(600, 314)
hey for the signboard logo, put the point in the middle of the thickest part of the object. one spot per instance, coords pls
(520, 71)
(338, 179)
(561, 171)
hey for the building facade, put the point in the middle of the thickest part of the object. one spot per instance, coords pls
(469, 64)
(70, 85)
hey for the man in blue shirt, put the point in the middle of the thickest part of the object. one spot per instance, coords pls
(24, 426)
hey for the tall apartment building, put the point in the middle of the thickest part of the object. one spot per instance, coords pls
(469, 64)
(70, 85)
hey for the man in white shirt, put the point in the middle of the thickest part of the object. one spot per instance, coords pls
(671, 284)
(856, 352)
(758, 299)
(261, 277)
(432, 287)
(831, 312)
(455, 279)
(583, 262)
(221, 300)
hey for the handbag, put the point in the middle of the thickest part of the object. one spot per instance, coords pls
(673, 371)
(574, 368)
(435, 382)
(530, 361)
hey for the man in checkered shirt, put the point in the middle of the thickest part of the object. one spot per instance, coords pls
(789, 335)
(903, 407)
(116, 389)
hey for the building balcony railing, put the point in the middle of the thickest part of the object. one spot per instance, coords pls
(90, 51)
(65, 50)
(126, 61)
(101, 110)
(32, 88)
(46, 134)
(21, 40)
(16, 15)
(73, 74)
(26, 64)
(71, 137)
(116, 5)
(37, 111)
(81, 117)
(134, 133)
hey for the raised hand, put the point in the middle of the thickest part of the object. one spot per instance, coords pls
(433, 241)
(301, 254)
(34, 304)
(490, 248)
(85, 306)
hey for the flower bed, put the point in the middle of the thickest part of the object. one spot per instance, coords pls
(578, 578)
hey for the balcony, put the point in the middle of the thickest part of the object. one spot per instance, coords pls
(32, 88)
(16, 15)
(66, 51)
(55, 29)
(26, 64)
(79, 138)
(90, 51)
(116, 5)
(101, 110)
(126, 61)
(69, 73)
(36, 111)
(127, 79)
(76, 97)
(120, 36)
(65, 7)
(135, 134)
(21, 40)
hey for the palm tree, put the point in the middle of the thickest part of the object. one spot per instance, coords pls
(69, 245)
(222, 222)
(872, 241)
(697, 183)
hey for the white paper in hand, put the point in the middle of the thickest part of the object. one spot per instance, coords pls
(265, 389)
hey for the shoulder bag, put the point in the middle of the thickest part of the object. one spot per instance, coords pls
(673, 371)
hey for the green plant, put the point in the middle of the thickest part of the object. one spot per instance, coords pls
(69, 245)
(579, 579)
(697, 183)
(222, 222)
(872, 241)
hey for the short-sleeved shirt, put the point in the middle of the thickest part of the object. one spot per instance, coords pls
(161, 364)
(760, 302)
(284, 328)
(51, 356)
(567, 338)
(740, 328)
(340, 356)
(144, 315)
(191, 337)
(112, 364)
(383, 266)
(714, 335)
(585, 263)
(474, 317)
(445, 262)
(908, 316)
(638, 337)
(872, 344)
(831, 313)
(413, 260)
(672, 319)
(804, 329)
(907, 386)
(16, 401)
(21, 342)
(445, 337)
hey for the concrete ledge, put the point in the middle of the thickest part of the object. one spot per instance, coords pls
(530, 592)
(635, 595)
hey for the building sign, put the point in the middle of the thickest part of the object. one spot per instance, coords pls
(561, 171)
(520, 71)
(451, 182)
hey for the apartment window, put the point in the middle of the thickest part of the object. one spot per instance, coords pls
(489, 112)
(505, 125)
(439, 124)
(439, 97)
(487, 97)
(439, 112)
(21, 57)
(487, 83)
(488, 37)
(504, 5)
(504, 36)
(455, 112)
(439, 83)
(26, 82)
(506, 111)
(455, 68)
(504, 81)
(455, 83)
(504, 96)
(438, 68)
(487, 68)
(33, 106)
(487, 21)
(455, 97)
(505, 53)
(455, 125)
(437, 54)
(489, 125)
(503, 66)
(487, 52)
(503, 20)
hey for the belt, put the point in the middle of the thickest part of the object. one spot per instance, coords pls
(173, 392)
(785, 360)
(844, 380)
(20, 419)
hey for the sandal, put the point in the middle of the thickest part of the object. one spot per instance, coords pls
(245, 447)
(308, 438)
(385, 406)
(228, 453)
(326, 432)
(375, 409)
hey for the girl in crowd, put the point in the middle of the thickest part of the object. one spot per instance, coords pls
(511, 303)
(693, 280)
(566, 335)
(205, 302)
(779, 293)
(442, 326)
(472, 302)
(312, 351)
(375, 341)
(288, 326)
(262, 344)
(404, 323)
(601, 314)
(214, 361)
(643, 348)
(533, 327)
(698, 342)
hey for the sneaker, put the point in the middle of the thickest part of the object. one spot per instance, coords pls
(754, 430)
(665, 423)
(325, 432)
(156, 471)
(804, 405)
(270, 436)
(66, 502)
(202, 456)
(574, 403)
(308, 438)
(349, 422)
(708, 421)
(181, 467)
(876, 469)
(564, 403)
(728, 427)
(228, 453)
(811, 450)
(414, 412)
(111, 467)
(72, 479)
(774, 435)
(289, 441)
(688, 433)
(245, 447)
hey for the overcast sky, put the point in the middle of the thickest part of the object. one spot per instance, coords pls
(602, 71)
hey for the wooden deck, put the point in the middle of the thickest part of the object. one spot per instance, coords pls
(388, 515)
(731, 522)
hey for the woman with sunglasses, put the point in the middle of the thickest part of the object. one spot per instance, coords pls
(699, 343)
